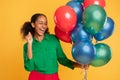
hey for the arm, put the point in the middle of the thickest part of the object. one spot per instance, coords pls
(28, 57)
(29, 40)
(62, 59)
(66, 62)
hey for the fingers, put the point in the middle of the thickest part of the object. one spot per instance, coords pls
(29, 34)
(28, 37)
(86, 66)
(82, 66)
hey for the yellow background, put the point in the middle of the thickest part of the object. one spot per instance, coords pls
(13, 13)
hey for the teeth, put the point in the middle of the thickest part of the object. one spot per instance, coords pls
(42, 29)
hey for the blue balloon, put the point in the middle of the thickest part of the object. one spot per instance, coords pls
(83, 52)
(78, 8)
(79, 33)
(78, 0)
(106, 31)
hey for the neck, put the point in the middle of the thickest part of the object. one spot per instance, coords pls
(39, 37)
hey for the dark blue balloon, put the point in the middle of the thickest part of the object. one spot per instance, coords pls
(106, 31)
(78, 8)
(79, 33)
(83, 52)
(78, 0)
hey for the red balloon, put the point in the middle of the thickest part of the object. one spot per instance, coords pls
(64, 36)
(65, 18)
(91, 2)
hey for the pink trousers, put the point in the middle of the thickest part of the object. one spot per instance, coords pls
(40, 76)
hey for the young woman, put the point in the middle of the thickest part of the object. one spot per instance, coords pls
(43, 51)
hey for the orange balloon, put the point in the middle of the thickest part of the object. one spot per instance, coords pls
(65, 18)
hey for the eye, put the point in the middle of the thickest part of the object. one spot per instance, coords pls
(41, 23)
(45, 23)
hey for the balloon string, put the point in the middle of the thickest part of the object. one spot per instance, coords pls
(85, 74)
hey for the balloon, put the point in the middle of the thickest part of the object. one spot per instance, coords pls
(83, 52)
(91, 2)
(78, 9)
(79, 33)
(65, 18)
(102, 56)
(106, 31)
(94, 18)
(78, 0)
(64, 36)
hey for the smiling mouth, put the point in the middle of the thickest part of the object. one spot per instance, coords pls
(42, 30)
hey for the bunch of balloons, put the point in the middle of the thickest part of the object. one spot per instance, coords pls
(79, 21)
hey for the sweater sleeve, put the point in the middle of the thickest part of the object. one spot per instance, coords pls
(62, 59)
(28, 63)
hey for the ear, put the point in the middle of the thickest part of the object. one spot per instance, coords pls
(33, 25)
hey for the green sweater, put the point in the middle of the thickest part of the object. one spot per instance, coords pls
(46, 55)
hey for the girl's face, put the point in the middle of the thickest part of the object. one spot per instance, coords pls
(40, 25)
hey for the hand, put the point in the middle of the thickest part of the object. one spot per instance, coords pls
(82, 66)
(86, 66)
(29, 38)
